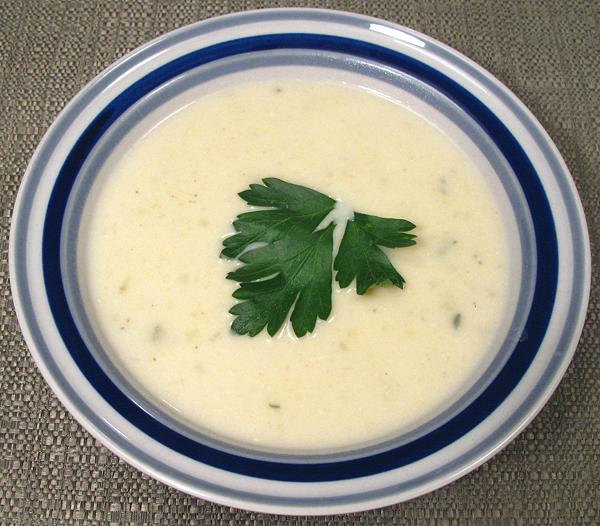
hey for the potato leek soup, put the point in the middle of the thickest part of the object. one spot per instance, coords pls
(382, 362)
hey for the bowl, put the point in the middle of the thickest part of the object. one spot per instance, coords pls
(551, 274)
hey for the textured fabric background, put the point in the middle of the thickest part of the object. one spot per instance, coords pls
(53, 472)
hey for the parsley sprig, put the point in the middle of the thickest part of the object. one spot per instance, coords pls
(287, 263)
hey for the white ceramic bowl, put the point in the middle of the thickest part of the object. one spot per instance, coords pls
(551, 294)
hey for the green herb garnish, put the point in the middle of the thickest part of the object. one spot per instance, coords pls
(288, 263)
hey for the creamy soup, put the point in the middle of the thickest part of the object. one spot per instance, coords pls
(382, 363)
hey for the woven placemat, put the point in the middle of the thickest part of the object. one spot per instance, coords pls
(53, 472)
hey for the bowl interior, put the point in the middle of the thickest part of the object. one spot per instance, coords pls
(324, 66)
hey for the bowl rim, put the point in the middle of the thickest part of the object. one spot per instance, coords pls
(59, 389)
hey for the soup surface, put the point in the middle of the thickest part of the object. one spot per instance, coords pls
(383, 362)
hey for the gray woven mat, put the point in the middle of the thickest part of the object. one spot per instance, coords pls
(53, 472)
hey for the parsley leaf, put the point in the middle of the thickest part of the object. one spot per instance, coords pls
(297, 211)
(301, 270)
(360, 257)
(287, 265)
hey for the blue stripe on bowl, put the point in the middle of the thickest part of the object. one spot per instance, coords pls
(489, 400)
